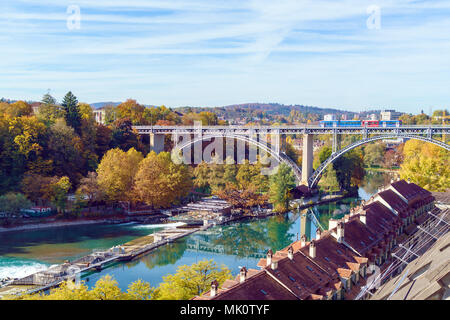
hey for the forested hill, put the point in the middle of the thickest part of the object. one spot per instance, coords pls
(281, 109)
(268, 111)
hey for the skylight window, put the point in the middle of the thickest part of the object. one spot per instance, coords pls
(370, 238)
(326, 258)
(339, 251)
(263, 292)
(292, 279)
(309, 268)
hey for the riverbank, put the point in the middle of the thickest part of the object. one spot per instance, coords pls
(54, 223)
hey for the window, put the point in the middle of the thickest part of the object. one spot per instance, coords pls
(291, 278)
(263, 292)
(326, 258)
(339, 251)
(309, 268)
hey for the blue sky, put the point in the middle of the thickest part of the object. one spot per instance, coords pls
(215, 53)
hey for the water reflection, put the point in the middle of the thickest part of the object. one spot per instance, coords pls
(235, 245)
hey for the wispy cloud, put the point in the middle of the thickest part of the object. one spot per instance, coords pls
(199, 52)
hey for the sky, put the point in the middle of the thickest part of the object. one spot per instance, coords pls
(356, 55)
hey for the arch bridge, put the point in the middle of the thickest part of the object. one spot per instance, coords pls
(275, 145)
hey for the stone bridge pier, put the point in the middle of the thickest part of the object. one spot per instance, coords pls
(157, 142)
(307, 158)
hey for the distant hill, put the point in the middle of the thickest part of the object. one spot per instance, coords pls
(276, 108)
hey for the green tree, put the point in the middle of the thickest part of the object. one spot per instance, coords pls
(12, 203)
(72, 111)
(374, 154)
(191, 281)
(59, 195)
(281, 183)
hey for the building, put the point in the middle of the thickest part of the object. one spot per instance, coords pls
(339, 262)
(426, 278)
(388, 115)
(329, 117)
(35, 107)
(100, 116)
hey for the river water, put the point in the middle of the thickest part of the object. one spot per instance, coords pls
(234, 245)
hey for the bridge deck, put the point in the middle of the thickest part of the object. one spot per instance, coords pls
(213, 130)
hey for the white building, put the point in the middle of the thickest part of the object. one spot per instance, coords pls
(329, 117)
(100, 116)
(390, 115)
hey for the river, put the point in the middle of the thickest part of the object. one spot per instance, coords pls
(234, 245)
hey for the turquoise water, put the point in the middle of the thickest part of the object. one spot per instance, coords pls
(235, 245)
(25, 252)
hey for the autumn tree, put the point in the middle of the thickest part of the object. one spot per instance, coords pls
(132, 110)
(90, 188)
(106, 288)
(242, 199)
(191, 281)
(159, 182)
(427, 165)
(49, 111)
(201, 175)
(374, 154)
(59, 193)
(124, 137)
(116, 173)
(16, 109)
(66, 150)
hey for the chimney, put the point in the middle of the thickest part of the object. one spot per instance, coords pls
(362, 217)
(269, 257)
(214, 287)
(291, 253)
(303, 240)
(312, 249)
(340, 232)
(332, 223)
(243, 274)
(318, 234)
(274, 265)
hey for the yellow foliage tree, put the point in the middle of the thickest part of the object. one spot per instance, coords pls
(159, 182)
(116, 172)
(427, 165)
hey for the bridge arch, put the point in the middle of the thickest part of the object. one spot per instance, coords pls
(276, 153)
(317, 174)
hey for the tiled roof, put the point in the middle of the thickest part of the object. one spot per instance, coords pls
(360, 237)
(330, 254)
(300, 275)
(406, 190)
(260, 286)
(393, 200)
